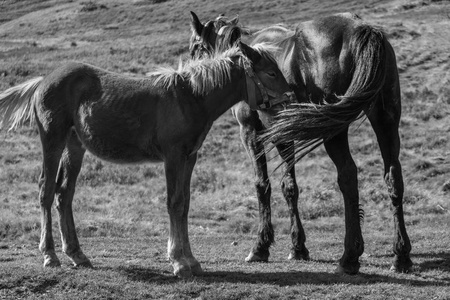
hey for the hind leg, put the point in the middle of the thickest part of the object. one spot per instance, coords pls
(385, 121)
(290, 192)
(52, 147)
(69, 169)
(338, 150)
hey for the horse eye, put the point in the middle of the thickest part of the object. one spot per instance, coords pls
(271, 74)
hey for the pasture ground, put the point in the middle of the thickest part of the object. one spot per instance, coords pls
(120, 210)
(136, 268)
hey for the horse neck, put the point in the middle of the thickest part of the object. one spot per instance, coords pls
(218, 101)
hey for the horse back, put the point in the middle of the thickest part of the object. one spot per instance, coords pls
(117, 117)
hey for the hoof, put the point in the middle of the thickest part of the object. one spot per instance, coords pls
(184, 272)
(51, 261)
(298, 255)
(349, 271)
(402, 265)
(253, 257)
(80, 260)
(85, 264)
(181, 270)
(196, 269)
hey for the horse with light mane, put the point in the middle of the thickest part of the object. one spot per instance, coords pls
(164, 117)
(340, 68)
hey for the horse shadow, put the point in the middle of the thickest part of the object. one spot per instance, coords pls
(285, 278)
(435, 261)
(430, 261)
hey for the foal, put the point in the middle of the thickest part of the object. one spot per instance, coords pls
(161, 118)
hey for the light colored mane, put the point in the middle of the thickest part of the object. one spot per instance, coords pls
(210, 72)
(275, 28)
(267, 50)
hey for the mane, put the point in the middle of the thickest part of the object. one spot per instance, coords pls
(267, 50)
(277, 28)
(210, 72)
(203, 75)
(278, 34)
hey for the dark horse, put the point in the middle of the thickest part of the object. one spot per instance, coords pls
(164, 117)
(340, 68)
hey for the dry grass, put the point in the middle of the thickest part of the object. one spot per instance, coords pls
(120, 210)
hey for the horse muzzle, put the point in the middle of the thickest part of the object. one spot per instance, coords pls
(282, 101)
(269, 97)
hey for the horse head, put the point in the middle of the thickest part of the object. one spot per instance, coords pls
(264, 77)
(219, 34)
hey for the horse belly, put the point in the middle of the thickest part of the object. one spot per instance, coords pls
(118, 138)
(122, 153)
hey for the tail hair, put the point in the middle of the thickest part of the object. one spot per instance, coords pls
(310, 124)
(16, 104)
(361, 214)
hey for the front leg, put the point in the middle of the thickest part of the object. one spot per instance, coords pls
(290, 192)
(249, 126)
(196, 269)
(178, 167)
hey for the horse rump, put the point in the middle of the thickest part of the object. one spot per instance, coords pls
(310, 124)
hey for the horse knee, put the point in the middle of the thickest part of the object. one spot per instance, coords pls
(289, 189)
(263, 189)
(45, 201)
(176, 208)
(394, 182)
(61, 202)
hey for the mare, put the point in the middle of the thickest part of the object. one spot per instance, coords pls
(164, 117)
(341, 69)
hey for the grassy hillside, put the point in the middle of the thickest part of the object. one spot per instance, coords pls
(134, 37)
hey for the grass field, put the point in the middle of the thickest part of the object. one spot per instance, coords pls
(120, 211)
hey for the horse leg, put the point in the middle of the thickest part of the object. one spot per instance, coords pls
(196, 269)
(339, 152)
(178, 169)
(69, 168)
(385, 121)
(290, 191)
(52, 147)
(249, 125)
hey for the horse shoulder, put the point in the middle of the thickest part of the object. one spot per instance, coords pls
(181, 118)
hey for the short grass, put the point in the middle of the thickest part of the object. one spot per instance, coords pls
(120, 211)
(136, 267)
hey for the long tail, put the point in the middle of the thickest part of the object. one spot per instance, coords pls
(309, 124)
(16, 104)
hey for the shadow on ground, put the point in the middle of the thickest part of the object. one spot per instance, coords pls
(290, 278)
(429, 261)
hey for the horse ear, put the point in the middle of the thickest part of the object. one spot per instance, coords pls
(235, 20)
(248, 51)
(196, 25)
